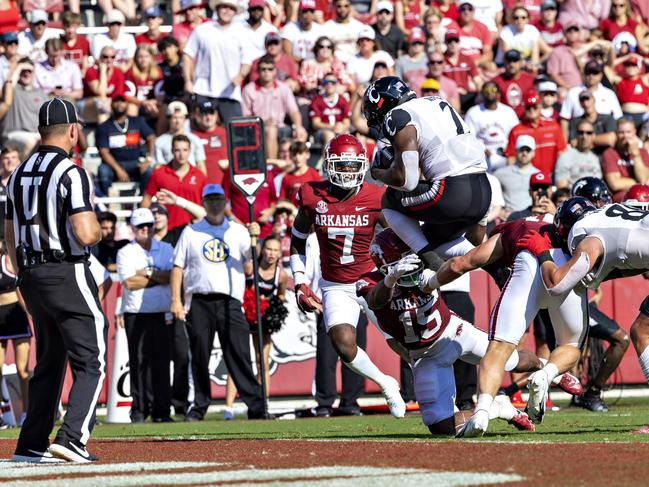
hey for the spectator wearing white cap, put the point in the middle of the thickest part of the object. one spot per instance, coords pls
(388, 36)
(177, 115)
(217, 58)
(144, 266)
(31, 42)
(299, 36)
(515, 179)
(360, 67)
(548, 91)
(122, 42)
(343, 30)
(257, 27)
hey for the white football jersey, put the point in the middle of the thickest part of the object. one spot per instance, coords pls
(624, 234)
(446, 146)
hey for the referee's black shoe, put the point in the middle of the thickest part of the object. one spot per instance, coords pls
(71, 451)
(34, 456)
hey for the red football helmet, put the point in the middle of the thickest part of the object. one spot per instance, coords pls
(345, 161)
(386, 250)
(637, 196)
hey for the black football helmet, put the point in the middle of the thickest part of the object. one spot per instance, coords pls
(382, 96)
(571, 211)
(594, 190)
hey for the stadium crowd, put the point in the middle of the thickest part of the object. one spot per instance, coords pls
(555, 90)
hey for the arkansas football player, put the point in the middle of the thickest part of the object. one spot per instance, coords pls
(343, 212)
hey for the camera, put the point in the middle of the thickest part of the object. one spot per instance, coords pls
(541, 193)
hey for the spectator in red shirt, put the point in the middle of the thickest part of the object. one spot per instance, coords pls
(153, 20)
(514, 82)
(627, 163)
(102, 82)
(194, 12)
(214, 139)
(620, 20)
(300, 174)
(633, 90)
(329, 112)
(262, 210)
(141, 79)
(547, 135)
(551, 30)
(462, 70)
(75, 47)
(179, 177)
(475, 38)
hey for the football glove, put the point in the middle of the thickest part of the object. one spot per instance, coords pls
(409, 263)
(535, 243)
(306, 298)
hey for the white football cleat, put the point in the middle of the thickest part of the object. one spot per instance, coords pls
(538, 386)
(475, 426)
(393, 397)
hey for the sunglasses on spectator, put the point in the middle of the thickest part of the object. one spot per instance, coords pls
(452, 39)
(325, 46)
(524, 149)
(548, 93)
(465, 8)
(26, 71)
(326, 82)
(40, 22)
(619, 5)
(10, 42)
(435, 62)
(520, 17)
(585, 132)
(574, 28)
(261, 70)
(384, 12)
(584, 98)
(144, 225)
(108, 57)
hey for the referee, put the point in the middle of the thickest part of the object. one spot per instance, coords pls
(49, 225)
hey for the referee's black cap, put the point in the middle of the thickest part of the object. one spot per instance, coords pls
(57, 111)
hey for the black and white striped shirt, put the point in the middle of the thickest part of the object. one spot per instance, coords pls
(41, 194)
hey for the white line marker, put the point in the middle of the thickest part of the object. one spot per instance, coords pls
(13, 470)
(338, 476)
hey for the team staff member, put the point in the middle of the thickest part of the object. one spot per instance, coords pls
(143, 267)
(49, 226)
(211, 260)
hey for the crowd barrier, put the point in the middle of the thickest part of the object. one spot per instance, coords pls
(293, 351)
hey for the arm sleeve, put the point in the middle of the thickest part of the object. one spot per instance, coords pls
(76, 188)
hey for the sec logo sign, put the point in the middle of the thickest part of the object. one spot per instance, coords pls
(216, 250)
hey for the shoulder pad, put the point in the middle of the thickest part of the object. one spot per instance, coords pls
(395, 120)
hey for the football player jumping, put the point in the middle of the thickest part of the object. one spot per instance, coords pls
(435, 169)
(606, 243)
(423, 331)
(522, 296)
(343, 212)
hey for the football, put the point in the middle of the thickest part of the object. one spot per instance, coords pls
(383, 157)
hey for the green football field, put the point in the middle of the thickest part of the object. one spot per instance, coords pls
(566, 425)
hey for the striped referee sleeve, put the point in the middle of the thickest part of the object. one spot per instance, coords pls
(77, 188)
